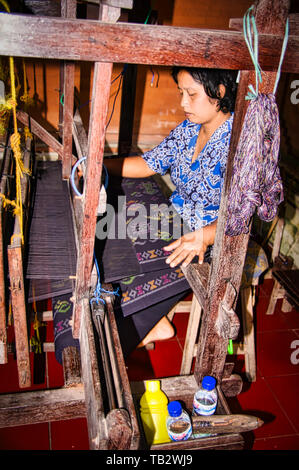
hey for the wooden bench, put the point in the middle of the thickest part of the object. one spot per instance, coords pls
(286, 287)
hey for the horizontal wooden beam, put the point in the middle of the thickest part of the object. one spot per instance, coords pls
(237, 24)
(40, 132)
(89, 40)
(41, 406)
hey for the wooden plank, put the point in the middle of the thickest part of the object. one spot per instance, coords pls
(96, 144)
(6, 169)
(93, 174)
(21, 408)
(16, 276)
(128, 4)
(81, 143)
(3, 333)
(191, 335)
(89, 40)
(71, 364)
(248, 332)
(123, 380)
(237, 24)
(40, 132)
(119, 430)
(68, 10)
(197, 275)
(95, 412)
(112, 381)
(15, 266)
(229, 252)
(225, 423)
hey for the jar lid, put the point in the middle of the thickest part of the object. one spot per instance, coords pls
(208, 382)
(174, 408)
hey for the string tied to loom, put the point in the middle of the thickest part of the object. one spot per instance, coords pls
(99, 290)
(72, 179)
(252, 45)
(249, 26)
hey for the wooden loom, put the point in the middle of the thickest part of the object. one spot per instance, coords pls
(116, 425)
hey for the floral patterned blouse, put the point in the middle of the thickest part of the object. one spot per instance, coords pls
(198, 184)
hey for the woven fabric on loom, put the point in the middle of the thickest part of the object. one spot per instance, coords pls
(137, 265)
(62, 314)
(51, 249)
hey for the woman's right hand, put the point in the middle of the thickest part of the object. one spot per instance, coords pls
(191, 244)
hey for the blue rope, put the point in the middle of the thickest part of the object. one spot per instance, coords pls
(284, 46)
(252, 44)
(73, 176)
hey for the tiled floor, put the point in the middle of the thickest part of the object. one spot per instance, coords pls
(273, 397)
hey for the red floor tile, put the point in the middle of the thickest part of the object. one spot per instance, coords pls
(277, 443)
(274, 350)
(9, 376)
(265, 287)
(69, 435)
(257, 399)
(286, 391)
(291, 318)
(166, 358)
(55, 371)
(180, 322)
(139, 366)
(29, 437)
(276, 321)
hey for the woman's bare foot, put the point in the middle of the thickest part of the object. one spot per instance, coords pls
(162, 330)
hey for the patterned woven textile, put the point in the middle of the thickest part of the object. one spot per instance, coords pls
(136, 264)
(62, 314)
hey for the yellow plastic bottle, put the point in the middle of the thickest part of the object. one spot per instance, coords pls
(153, 411)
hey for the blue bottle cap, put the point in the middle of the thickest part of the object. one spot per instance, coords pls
(174, 408)
(208, 382)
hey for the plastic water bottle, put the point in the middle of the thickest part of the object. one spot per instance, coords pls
(153, 412)
(205, 399)
(178, 423)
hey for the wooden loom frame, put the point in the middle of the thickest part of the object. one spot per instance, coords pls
(217, 291)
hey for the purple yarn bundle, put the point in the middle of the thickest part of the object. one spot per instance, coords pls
(256, 182)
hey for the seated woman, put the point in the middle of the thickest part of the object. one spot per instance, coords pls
(195, 153)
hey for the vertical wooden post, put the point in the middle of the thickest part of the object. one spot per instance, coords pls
(68, 10)
(229, 252)
(96, 145)
(3, 335)
(3, 189)
(19, 314)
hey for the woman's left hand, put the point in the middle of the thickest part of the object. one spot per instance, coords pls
(192, 244)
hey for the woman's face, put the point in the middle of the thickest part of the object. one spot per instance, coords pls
(198, 106)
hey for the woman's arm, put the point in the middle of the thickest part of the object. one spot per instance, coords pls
(190, 245)
(128, 167)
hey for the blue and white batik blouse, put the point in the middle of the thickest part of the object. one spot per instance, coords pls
(198, 184)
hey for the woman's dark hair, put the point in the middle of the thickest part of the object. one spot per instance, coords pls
(210, 79)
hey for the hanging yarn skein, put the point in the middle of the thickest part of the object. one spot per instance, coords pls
(256, 181)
